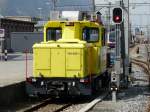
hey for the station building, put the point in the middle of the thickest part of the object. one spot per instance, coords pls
(12, 25)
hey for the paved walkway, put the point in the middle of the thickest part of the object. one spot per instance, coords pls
(13, 71)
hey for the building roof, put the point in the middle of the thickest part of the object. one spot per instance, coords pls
(21, 18)
(19, 21)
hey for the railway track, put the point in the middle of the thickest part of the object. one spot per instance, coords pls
(73, 105)
(48, 103)
(145, 64)
(142, 64)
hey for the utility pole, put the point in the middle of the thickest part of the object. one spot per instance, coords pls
(94, 8)
(2, 35)
(1, 48)
(148, 26)
(127, 42)
(54, 5)
(54, 15)
(109, 18)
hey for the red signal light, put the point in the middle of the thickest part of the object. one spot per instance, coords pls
(117, 18)
(117, 15)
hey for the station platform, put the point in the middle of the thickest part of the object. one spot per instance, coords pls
(12, 77)
(14, 70)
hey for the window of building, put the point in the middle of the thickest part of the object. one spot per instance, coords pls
(91, 34)
(54, 34)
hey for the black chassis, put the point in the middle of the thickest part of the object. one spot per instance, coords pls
(57, 86)
(66, 86)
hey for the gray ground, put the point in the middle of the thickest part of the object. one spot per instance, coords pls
(134, 99)
(13, 70)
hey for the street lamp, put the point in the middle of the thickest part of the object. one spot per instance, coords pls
(40, 12)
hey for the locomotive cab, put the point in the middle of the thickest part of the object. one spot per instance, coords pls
(70, 60)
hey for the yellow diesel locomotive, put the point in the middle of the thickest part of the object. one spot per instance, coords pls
(71, 60)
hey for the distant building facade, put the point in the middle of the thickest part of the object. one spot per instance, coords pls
(22, 41)
(11, 25)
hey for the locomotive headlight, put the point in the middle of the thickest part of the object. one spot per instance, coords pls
(73, 83)
(42, 83)
(69, 83)
(33, 80)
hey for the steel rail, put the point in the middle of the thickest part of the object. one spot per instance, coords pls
(38, 106)
(63, 108)
(140, 64)
(45, 103)
(143, 64)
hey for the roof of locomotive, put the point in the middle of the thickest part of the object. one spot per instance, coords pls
(85, 23)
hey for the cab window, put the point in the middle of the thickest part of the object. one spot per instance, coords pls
(53, 34)
(91, 34)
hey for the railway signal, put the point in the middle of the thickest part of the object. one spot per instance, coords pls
(115, 76)
(117, 15)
